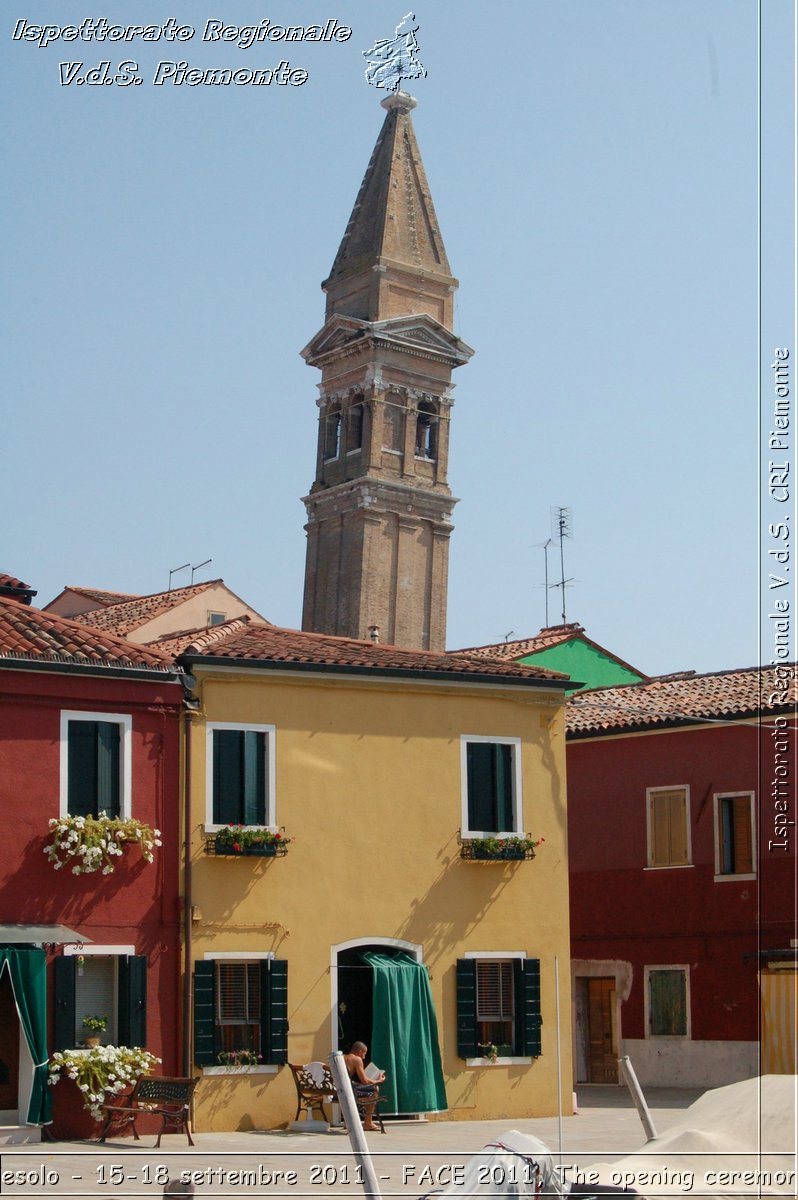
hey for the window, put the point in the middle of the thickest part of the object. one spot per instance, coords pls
(667, 1002)
(426, 431)
(106, 981)
(95, 764)
(240, 1003)
(332, 433)
(216, 618)
(498, 1002)
(354, 422)
(734, 835)
(668, 811)
(240, 766)
(491, 783)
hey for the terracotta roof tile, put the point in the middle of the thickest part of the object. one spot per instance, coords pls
(681, 699)
(102, 597)
(554, 635)
(270, 644)
(28, 634)
(8, 581)
(127, 615)
(177, 642)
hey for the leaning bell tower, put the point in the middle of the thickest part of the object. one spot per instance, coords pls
(379, 510)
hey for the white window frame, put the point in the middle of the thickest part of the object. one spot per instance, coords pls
(514, 1060)
(96, 950)
(669, 1037)
(652, 791)
(721, 877)
(518, 807)
(125, 722)
(215, 612)
(238, 956)
(271, 815)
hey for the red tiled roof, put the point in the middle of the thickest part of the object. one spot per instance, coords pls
(103, 598)
(175, 643)
(270, 644)
(28, 634)
(553, 635)
(681, 699)
(127, 615)
(8, 581)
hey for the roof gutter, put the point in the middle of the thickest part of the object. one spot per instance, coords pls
(267, 664)
(57, 667)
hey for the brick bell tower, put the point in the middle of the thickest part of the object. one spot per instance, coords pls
(379, 510)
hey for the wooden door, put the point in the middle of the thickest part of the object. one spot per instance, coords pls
(9, 1046)
(602, 1040)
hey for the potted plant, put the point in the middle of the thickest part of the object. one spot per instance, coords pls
(249, 840)
(500, 849)
(96, 1025)
(95, 843)
(239, 1058)
(488, 1050)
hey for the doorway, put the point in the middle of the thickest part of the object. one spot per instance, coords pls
(9, 1048)
(602, 1039)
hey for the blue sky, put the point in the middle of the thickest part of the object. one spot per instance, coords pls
(593, 167)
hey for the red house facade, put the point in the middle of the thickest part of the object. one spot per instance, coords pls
(89, 724)
(682, 871)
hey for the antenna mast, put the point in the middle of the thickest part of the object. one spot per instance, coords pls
(562, 527)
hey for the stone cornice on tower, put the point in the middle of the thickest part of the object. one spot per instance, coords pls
(392, 260)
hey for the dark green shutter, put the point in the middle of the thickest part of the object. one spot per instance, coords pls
(132, 1022)
(490, 786)
(239, 777)
(64, 989)
(204, 1014)
(466, 1007)
(108, 781)
(93, 768)
(274, 1010)
(503, 783)
(527, 1007)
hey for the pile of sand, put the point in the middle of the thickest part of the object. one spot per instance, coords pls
(736, 1141)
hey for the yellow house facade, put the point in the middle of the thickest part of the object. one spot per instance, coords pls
(386, 769)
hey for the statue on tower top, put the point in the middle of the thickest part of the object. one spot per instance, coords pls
(390, 60)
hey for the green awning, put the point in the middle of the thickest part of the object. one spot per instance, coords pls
(404, 1036)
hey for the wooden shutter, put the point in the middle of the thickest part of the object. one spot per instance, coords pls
(94, 768)
(132, 1020)
(736, 847)
(667, 1000)
(528, 1019)
(254, 777)
(466, 1007)
(668, 828)
(239, 777)
(204, 1017)
(108, 768)
(64, 989)
(274, 1010)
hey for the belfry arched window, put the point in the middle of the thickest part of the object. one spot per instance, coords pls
(332, 433)
(426, 430)
(354, 435)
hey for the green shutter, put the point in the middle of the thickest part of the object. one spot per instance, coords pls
(274, 1010)
(204, 1014)
(503, 774)
(481, 806)
(132, 1023)
(64, 989)
(82, 768)
(466, 1007)
(253, 772)
(527, 1008)
(227, 776)
(108, 781)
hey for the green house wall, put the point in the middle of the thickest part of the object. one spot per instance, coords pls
(584, 663)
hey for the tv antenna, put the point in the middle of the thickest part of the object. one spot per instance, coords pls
(562, 527)
(186, 567)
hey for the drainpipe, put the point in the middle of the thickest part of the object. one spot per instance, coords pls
(187, 893)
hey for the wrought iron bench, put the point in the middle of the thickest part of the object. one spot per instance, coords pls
(314, 1089)
(153, 1095)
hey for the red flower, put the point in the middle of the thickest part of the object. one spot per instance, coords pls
(278, 837)
(236, 846)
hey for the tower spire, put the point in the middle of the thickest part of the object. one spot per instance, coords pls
(380, 505)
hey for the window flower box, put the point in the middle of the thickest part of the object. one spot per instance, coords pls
(91, 844)
(495, 849)
(240, 841)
